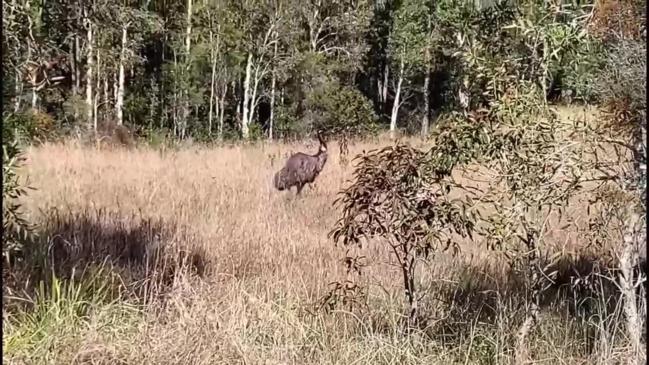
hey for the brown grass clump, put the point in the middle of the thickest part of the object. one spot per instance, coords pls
(219, 267)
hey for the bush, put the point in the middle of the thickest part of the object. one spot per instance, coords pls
(623, 79)
(340, 110)
(287, 125)
(621, 86)
(575, 79)
(31, 126)
(16, 230)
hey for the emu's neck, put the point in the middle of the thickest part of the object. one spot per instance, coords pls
(322, 159)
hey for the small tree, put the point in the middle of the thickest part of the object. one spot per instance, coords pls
(407, 47)
(400, 199)
(15, 228)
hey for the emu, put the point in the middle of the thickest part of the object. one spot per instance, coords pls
(301, 169)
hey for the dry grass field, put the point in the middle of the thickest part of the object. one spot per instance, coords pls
(240, 269)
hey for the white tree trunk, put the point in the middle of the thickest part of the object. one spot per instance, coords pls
(253, 98)
(73, 64)
(386, 78)
(119, 103)
(213, 55)
(273, 82)
(174, 108)
(19, 92)
(239, 109)
(34, 92)
(77, 69)
(34, 98)
(89, 72)
(629, 261)
(222, 110)
(97, 88)
(183, 94)
(106, 99)
(188, 32)
(272, 107)
(245, 121)
(425, 122)
(115, 88)
(212, 82)
(395, 105)
(29, 51)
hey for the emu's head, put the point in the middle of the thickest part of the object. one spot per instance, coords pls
(323, 145)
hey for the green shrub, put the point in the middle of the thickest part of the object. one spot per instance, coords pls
(29, 126)
(287, 125)
(16, 230)
(340, 110)
(621, 86)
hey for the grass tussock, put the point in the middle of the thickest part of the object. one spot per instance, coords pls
(188, 256)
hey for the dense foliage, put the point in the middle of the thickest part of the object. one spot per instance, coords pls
(268, 68)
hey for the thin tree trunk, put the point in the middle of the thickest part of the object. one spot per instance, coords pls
(395, 105)
(77, 49)
(97, 87)
(213, 54)
(34, 98)
(29, 50)
(237, 100)
(34, 92)
(95, 109)
(521, 354)
(175, 97)
(222, 110)
(18, 88)
(425, 122)
(106, 99)
(188, 32)
(184, 96)
(407, 261)
(212, 81)
(313, 32)
(272, 107)
(253, 97)
(162, 110)
(115, 88)
(384, 90)
(246, 100)
(273, 82)
(412, 293)
(119, 103)
(73, 65)
(628, 261)
(89, 72)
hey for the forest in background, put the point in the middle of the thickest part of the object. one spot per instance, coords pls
(254, 69)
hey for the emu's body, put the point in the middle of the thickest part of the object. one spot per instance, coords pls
(301, 169)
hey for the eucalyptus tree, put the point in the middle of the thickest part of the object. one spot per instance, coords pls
(406, 48)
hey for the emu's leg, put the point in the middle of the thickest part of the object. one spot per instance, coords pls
(299, 188)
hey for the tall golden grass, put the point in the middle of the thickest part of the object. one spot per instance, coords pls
(265, 262)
